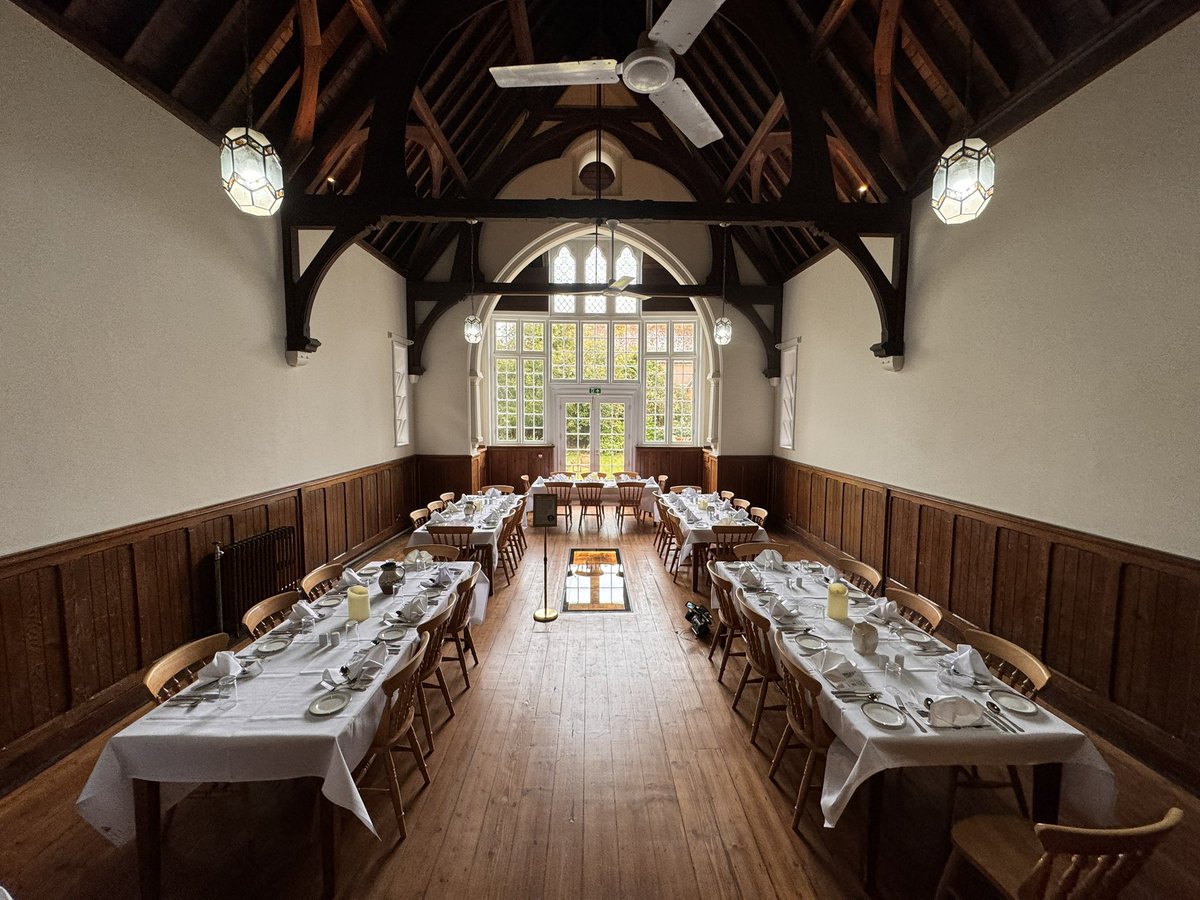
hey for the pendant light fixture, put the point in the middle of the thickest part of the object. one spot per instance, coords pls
(251, 172)
(964, 178)
(472, 325)
(723, 328)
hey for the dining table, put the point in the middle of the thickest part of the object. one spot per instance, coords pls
(610, 493)
(487, 525)
(275, 730)
(1066, 764)
(698, 513)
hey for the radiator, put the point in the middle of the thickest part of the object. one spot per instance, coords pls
(253, 569)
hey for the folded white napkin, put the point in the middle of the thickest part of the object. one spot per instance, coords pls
(883, 612)
(832, 573)
(452, 507)
(350, 578)
(539, 481)
(835, 667)
(300, 610)
(770, 559)
(779, 610)
(966, 660)
(437, 519)
(441, 578)
(223, 663)
(954, 712)
(689, 492)
(412, 611)
(751, 578)
(371, 662)
(725, 520)
(492, 492)
(741, 516)
(415, 556)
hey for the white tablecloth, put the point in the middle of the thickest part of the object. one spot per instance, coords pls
(482, 535)
(609, 494)
(268, 736)
(700, 532)
(862, 748)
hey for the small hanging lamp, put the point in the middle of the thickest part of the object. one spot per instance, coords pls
(251, 172)
(964, 178)
(472, 325)
(723, 327)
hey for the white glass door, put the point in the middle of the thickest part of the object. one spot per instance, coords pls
(594, 434)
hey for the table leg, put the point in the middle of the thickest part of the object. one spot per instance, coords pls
(874, 822)
(147, 812)
(1047, 786)
(699, 552)
(328, 816)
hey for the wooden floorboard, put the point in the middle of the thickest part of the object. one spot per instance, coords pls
(595, 757)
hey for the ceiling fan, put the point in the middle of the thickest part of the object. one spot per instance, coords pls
(650, 69)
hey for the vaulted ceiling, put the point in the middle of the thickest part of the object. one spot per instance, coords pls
(890, 78)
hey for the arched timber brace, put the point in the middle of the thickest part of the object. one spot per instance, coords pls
(300, 289)
(890, 292)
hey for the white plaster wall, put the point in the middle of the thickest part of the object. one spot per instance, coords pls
(1052, 366)
(141, 354)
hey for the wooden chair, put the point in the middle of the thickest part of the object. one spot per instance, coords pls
(729, 537)
(758, 514)
(629, 498)
(590, 497)
(562, 498)
(453, 536)
(458, 629)
(921, 611)
(680, 488)
(662, 483)
(600, 475)
(662, 534)
(563, 474)
(757, 635)
(525, 484)
(396, 726)
(739, 503)
(447, 552)
(320, 580)
(675, 549)
(431, 664)
(726, 495)
(436, 506)
(858, 573)
(751, 549)
(1051, 862)
(626, 474)
(1025, 674)
(171, 673)
(266, 614)
(419, 516)
(502, 488)
(507, 547)
(804, 723)
(729, 624)
(447, 497)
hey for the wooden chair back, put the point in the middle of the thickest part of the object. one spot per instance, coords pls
(591, 493)
(563, 474)
(436, 506)
(680, 488)
(1014, 665)
(662, 483)
(600, 475)
(630, 494)
(502, 488)
(435, 629)
(266, 614)
(171, 673)
(756, 629)
(726, 495)
(739, 503)
(862, 576)
(320, 580)
(447, 497)
(1092, 863)
(462, 606)
(800, 693)
(727, 537)
(525, 482)
(626, 474)
(561, 491)
(419, 516)
(447, 552)
(753, 548)
(453, 536)
(758, 514)
(401, 690)
(675, 525)
(727, 607)
(921, 611)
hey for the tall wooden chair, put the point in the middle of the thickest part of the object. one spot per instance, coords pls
(458, 629)
(726, 495)
(502, 488)
(675, 549)
(266, 614)
(626, 474)
(761, 661)
(525, 484)
(629, 497)
(662, 483)
(739, 503)
(729, 623)
(447, 497)
(1050, 862)
(562, 474)
(591, 496)
(680, 488)
(419, 517)
(601, 475)
(436, 506)
(320, 580)
(751, 549)
(727, 538)
(921, 611)
(453, 536)
(507, 547)
(445, 552)
(758, 515)
(562, 497)
(804, 728)
(171, 673)
(858, 573)
(396, 726)
(662, 536)
(431, 664)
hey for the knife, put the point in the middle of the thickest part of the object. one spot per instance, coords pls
(904, 709)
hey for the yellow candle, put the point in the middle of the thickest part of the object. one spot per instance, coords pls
(360, 604)
(838, 605)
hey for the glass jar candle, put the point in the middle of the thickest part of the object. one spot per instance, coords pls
(359, 603)
(838, 604)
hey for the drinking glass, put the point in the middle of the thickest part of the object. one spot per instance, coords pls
(227, 697)
(893, 676)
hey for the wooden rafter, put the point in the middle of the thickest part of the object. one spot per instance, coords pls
(521, 35)
(259, 65)
(981, 57)
(769, 121)
(425, 114)
(838, 10)
(310, 80)
(885, 93)
(372, 21)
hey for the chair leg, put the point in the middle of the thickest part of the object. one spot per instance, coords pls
(462, 659)
(729, 639)
(741, 686)
(950, 874)
(780, 749)
(414, 745)
(470, 642)
(758, 709)
(802, 792)
(1018, 791)
(423, 705)
(716, 639)
(393, 780)
(445, 688)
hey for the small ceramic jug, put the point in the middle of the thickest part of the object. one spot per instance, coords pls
(389, 577)
(864, 637)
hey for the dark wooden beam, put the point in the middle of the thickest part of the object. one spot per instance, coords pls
(425, 114)
(838, 10)
(889, 290)
(1031, 17)
(372, 21)
(981, 56)
(300, 288)
(262, 61)
(310, 80)
(769, 121)
(885, 89)
(520, 24)
(456, 289)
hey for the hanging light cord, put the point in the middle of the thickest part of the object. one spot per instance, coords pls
(967, 118)
(724, 264)
(246, 63)
(471, 241)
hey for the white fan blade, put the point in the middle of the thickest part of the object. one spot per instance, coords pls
(621, 283)
(587, 71)
(682, 21)
(680, 105)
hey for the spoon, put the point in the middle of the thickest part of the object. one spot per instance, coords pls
(994, 707)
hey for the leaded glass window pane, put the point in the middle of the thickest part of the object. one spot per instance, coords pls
(533, 411)
(656, 337)
(625, 351)
(533, 337)
(506, 337)
(682, 401)
(656, 401)
(683, 337)
(562, 351)
(506, 400)
(595, 351)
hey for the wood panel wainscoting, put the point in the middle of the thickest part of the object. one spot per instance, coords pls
(80, 619)
(1118, 623)
(438, 473)
(749, 477)
(506, 464)
(681, 465)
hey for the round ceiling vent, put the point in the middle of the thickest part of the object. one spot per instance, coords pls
(597, 176)
(648, 69)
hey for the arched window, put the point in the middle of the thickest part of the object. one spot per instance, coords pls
(595, 271)
(563, 271)
(626, 265)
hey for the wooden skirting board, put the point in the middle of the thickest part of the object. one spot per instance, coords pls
(80, 620)
(1118, 623)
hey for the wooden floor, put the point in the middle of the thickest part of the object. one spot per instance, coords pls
(596, 756)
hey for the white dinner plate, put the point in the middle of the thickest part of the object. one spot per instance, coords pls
(328, 704)
(271, 646)
(882, 714)
(393, 634)
(328, 600)
(855, 594)
(811, 643)
(1015, 703)
(369, 571)
(920, 638)
(813, 567)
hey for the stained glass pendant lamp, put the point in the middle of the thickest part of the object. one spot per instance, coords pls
(723, 327)
(472, 325)
(251, 172)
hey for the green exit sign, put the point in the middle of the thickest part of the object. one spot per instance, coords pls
(593, 390)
